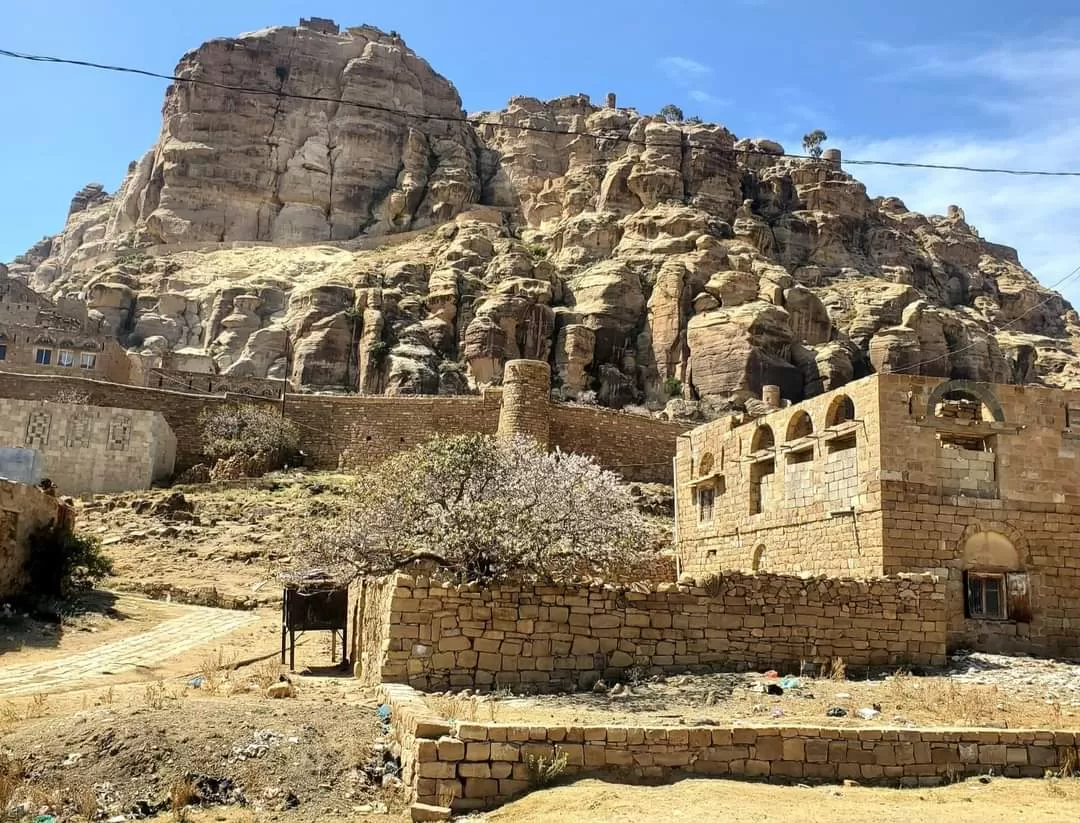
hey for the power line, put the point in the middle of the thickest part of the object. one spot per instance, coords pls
(280, 93)
(1016, 319)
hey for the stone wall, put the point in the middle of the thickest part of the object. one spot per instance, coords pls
(793, 491)
(481, 765)
(549, 637)
(90, 449)
(179, 380)
(637, 447)
(23, 509)
(356, 431)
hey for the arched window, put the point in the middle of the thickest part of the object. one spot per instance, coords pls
(762, 439)
(705, 466)
(841, 410)
(799, 426)
(757, 560)
(995, 587)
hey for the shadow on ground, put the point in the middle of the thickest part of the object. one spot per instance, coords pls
(41, 622)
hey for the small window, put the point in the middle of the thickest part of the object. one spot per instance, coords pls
(66, 358)
(706, 499)
(87, 361)
(43, 357)
(3, 351)
(986, 596)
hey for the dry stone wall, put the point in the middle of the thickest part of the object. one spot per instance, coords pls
(480, 765)
(22, 510)
(545, 637)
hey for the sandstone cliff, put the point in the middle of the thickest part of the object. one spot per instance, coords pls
(399, 247)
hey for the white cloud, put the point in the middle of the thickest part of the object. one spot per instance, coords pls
(1032, 89)
(684, 70)
(702, 96)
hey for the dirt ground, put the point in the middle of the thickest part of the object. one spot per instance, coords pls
(593, 801)
(977, 690)
(125, 749)
(96, 618)
(227, 550)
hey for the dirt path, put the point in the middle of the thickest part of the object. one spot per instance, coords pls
(194, 626)
(593, 801)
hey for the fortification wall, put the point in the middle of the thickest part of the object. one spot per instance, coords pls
(568, 636)
(353, 432)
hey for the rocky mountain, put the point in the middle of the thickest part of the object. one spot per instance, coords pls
(382, 241)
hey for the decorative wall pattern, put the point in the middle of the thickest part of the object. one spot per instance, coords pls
(119, 433)
(37, 429)
(80, 427)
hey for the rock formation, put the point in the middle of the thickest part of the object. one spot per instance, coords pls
(380, 241)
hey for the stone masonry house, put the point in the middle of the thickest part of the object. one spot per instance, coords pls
(22, 510)
(84, 449)
(37, 335)
(896, 473)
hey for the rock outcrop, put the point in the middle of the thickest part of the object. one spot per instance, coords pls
(349, 226)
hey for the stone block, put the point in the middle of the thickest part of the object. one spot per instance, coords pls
(481, 788)
(426, 813)
(468, 770)
(478, 751)
(449, 748)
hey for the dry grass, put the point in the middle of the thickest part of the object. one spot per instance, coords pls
(544, 771)
(470, 709)
(181, 796)
(214, 670)
(12, 775)
(38, 706)
(265, 673)
(964, 704)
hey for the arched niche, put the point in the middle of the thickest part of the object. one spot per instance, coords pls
(965, 390)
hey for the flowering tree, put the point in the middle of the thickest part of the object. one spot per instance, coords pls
(481, 509)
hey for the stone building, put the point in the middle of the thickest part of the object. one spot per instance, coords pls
(896, 473)
(23, 509)
(84, 449)
(38, 335)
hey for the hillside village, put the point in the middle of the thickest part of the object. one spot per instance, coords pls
(427, 465)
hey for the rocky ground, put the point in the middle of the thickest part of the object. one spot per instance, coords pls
(131, 751)
(216, 544)
(645, 259)
(978, 689)
(225, 543)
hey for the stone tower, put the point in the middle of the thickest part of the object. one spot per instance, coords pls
(524, 412)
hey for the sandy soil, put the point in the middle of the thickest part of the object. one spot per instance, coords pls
(1000, 801)
(1012, 693)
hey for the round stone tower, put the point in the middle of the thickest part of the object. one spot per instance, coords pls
(833, 157)
(524, 412)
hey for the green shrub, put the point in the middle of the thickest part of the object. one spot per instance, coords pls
(673, 387)
(536, 251)
(62, 563)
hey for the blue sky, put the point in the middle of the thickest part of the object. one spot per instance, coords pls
(980, 82)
